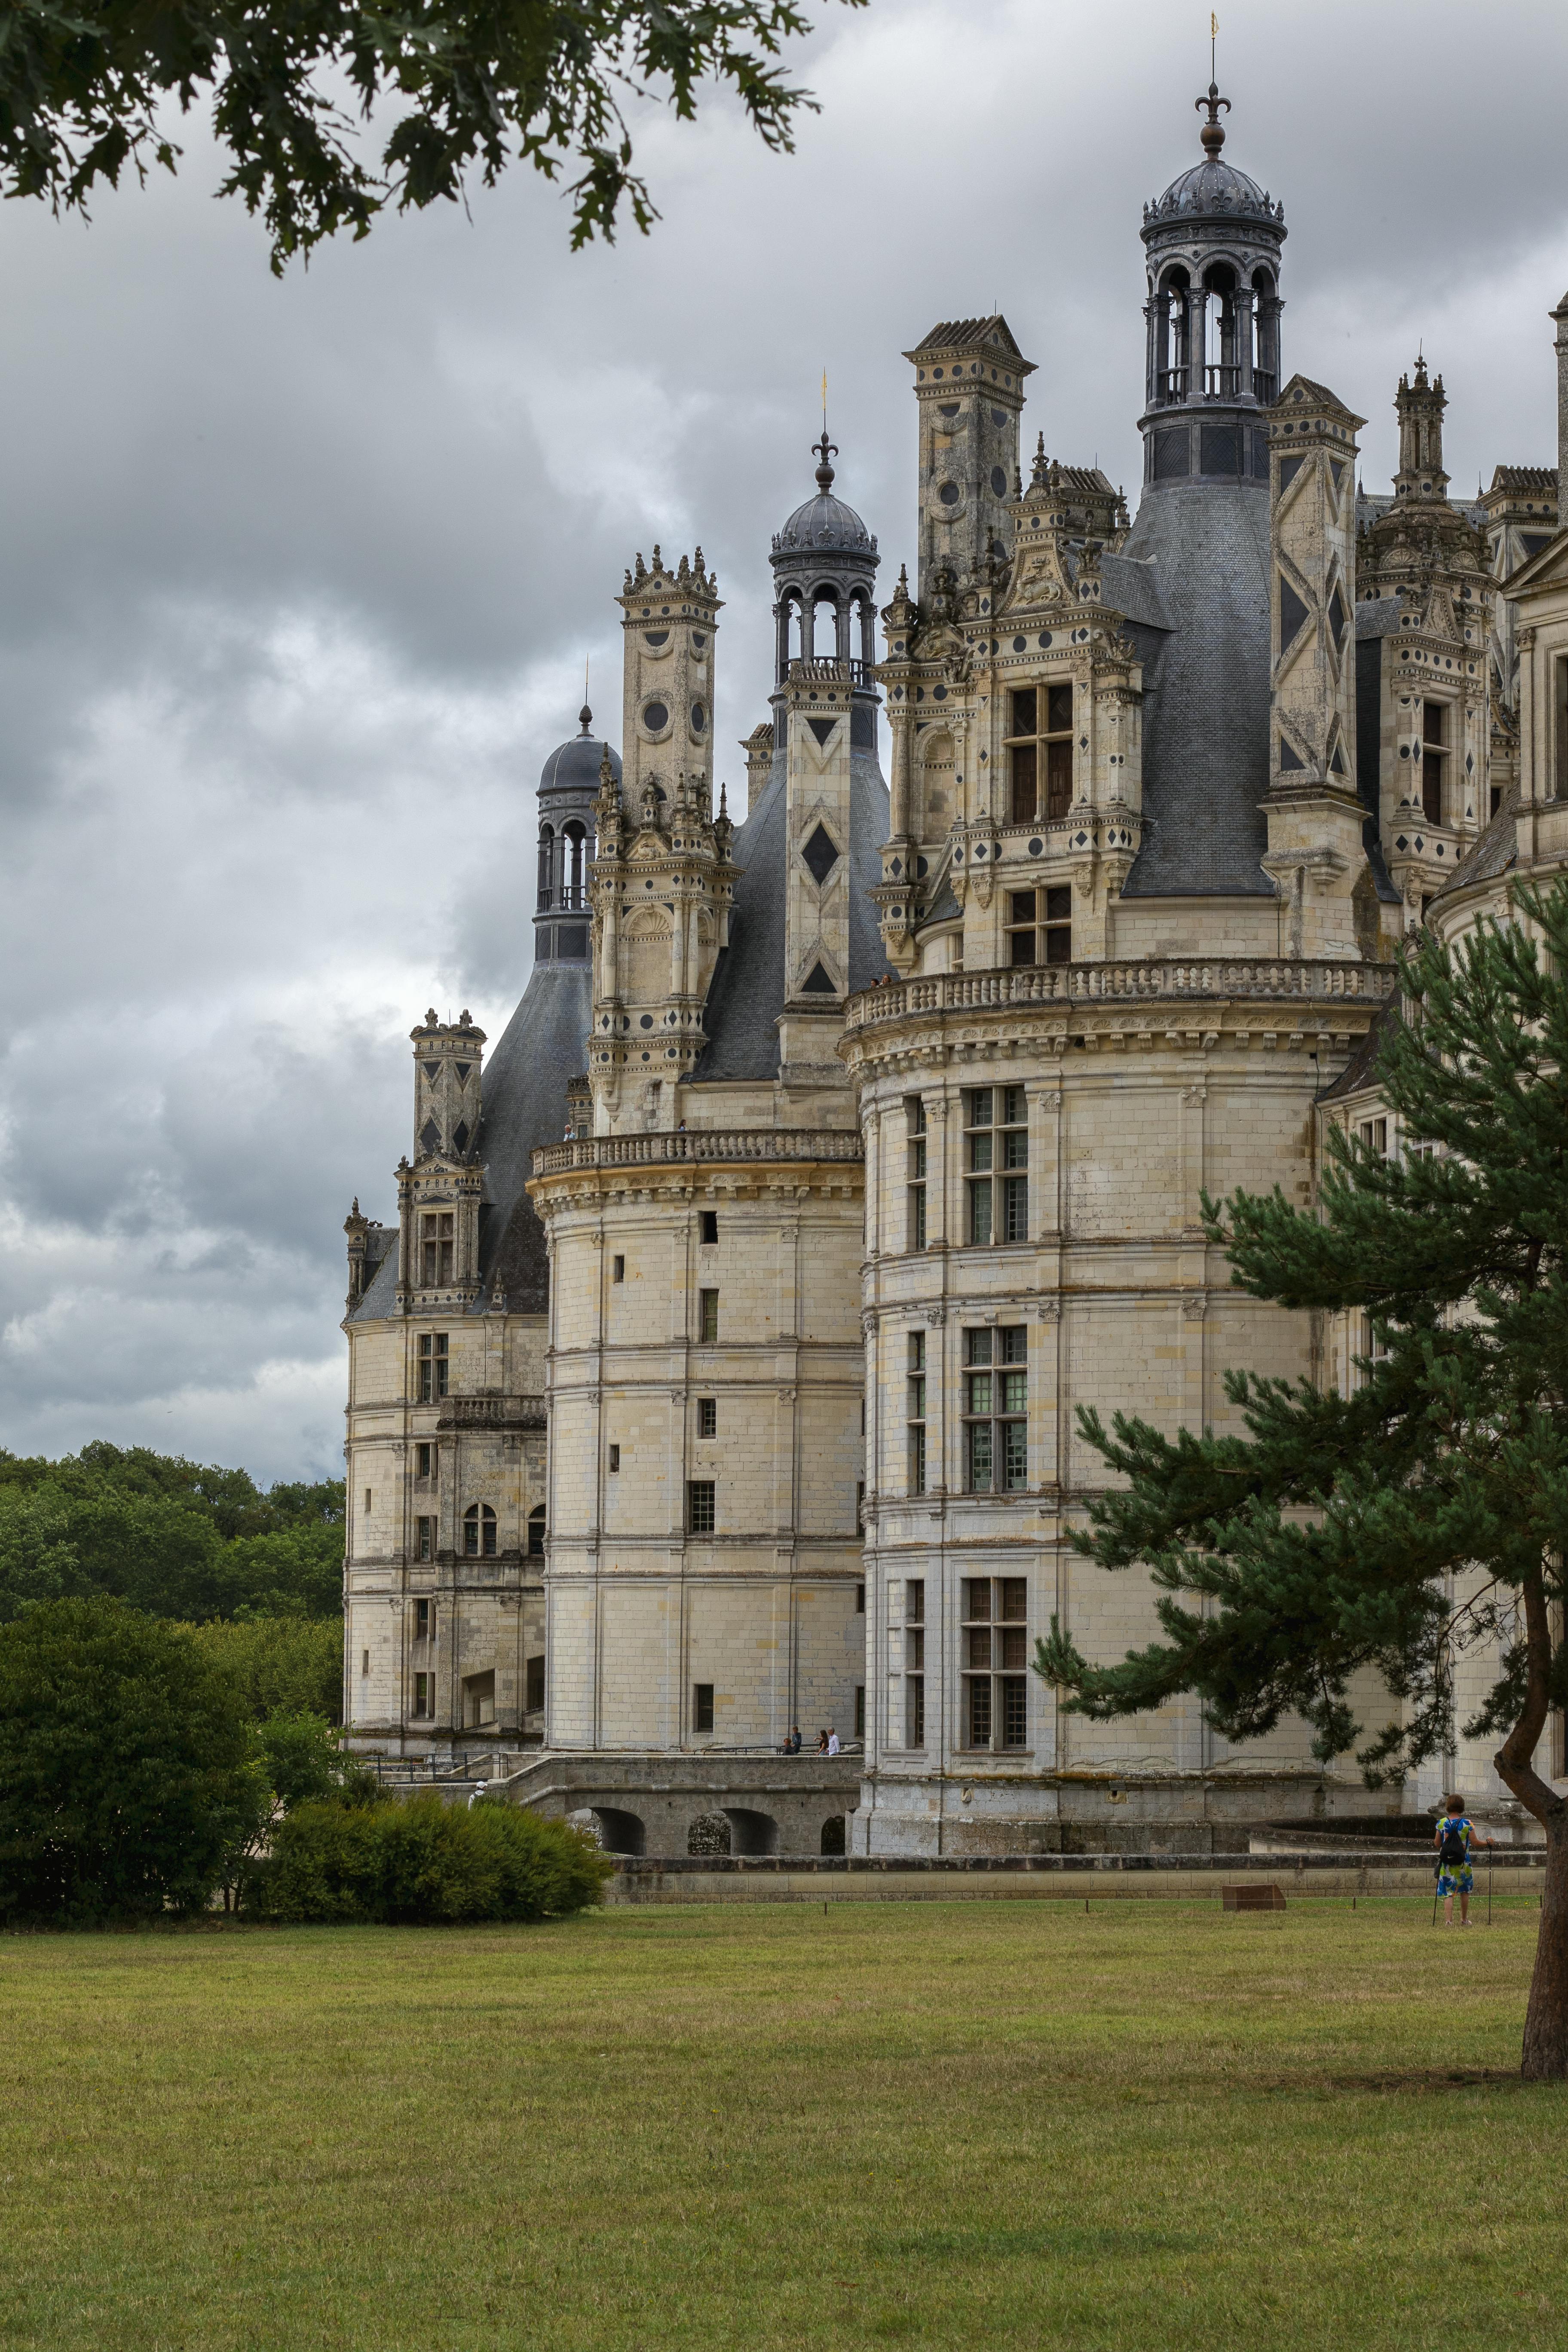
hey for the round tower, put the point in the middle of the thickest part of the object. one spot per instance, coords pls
(568, 786)
(825, 574)
(1213, 243)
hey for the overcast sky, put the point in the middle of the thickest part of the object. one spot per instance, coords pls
(297, 580)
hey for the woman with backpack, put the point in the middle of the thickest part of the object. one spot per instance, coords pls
(1455, 1835)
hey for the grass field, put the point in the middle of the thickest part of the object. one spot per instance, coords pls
(975, 2126)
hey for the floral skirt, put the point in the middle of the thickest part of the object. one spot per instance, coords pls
(1456, 1882)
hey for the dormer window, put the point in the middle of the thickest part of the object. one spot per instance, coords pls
(437, 1243)
(1034, 750)
(1434, 754)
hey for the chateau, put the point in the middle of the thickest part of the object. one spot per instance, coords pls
(720, 1371)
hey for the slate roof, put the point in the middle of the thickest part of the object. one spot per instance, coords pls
(1526, 482)
(1134, 587)
(1361, 1067)
(1492, 854)
(959, 334)
(1378, 616)
(524, 1105)
(747, 993)
(1205, 689)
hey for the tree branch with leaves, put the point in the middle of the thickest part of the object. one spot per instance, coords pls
(1423, 1517)
(467, 88)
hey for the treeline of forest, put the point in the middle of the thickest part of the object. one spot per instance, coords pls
(171, 1537)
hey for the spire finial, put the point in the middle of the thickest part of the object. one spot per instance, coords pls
(1212, 135)
(823, 450)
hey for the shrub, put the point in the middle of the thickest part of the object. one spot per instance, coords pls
(126, 1769)
(423, 1863)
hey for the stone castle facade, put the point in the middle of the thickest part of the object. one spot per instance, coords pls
(719, 1373)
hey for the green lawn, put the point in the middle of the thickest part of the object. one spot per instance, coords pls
(967, 2125)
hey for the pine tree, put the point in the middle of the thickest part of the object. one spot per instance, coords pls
(1426, 1514)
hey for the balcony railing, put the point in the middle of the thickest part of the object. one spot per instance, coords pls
(492, 1413)
(826, 669)
(1112, 983)
(700, 1147)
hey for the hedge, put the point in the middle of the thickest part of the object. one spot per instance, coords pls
(424, 1862)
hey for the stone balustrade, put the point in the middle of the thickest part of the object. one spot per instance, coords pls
(491, 1412)
(699, 1146)
(1158, 979)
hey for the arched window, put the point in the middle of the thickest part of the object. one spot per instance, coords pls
(825, 592)
(546, 851)
(536, 1532)
(1222, 369)
(572, 875)
(1171, 326)
(478, 1532)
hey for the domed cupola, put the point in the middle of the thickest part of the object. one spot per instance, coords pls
(1214, 242)
(825, 524)
(568, 786)
(826, 556)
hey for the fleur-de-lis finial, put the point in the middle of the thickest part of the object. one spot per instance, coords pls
(1213, 132)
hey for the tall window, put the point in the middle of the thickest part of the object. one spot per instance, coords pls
(914, 1663)
(536, 1532)
(1373, 1133)
(423, 1686)
(997, 1148)
(916, 1410)
(995, 1403)
(478, 1532)
(534, 1697)
(427, 1461)
(1039, 926)
(1560, 724)
(1434, 755)
(1024, 754)
(425, 1538)
(436, 1244)
(432, 1366)
(1040, 753)
(994, 1649)
(708, 1315)
(915, 1215)
(700, 1506)
(707, 1416)
(708, 1229)
(701, 1707)
(422, 1620)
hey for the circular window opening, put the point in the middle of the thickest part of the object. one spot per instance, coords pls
(948, 494)
(999, 481)
(698, 718)
(655, 638)
(655, 717)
